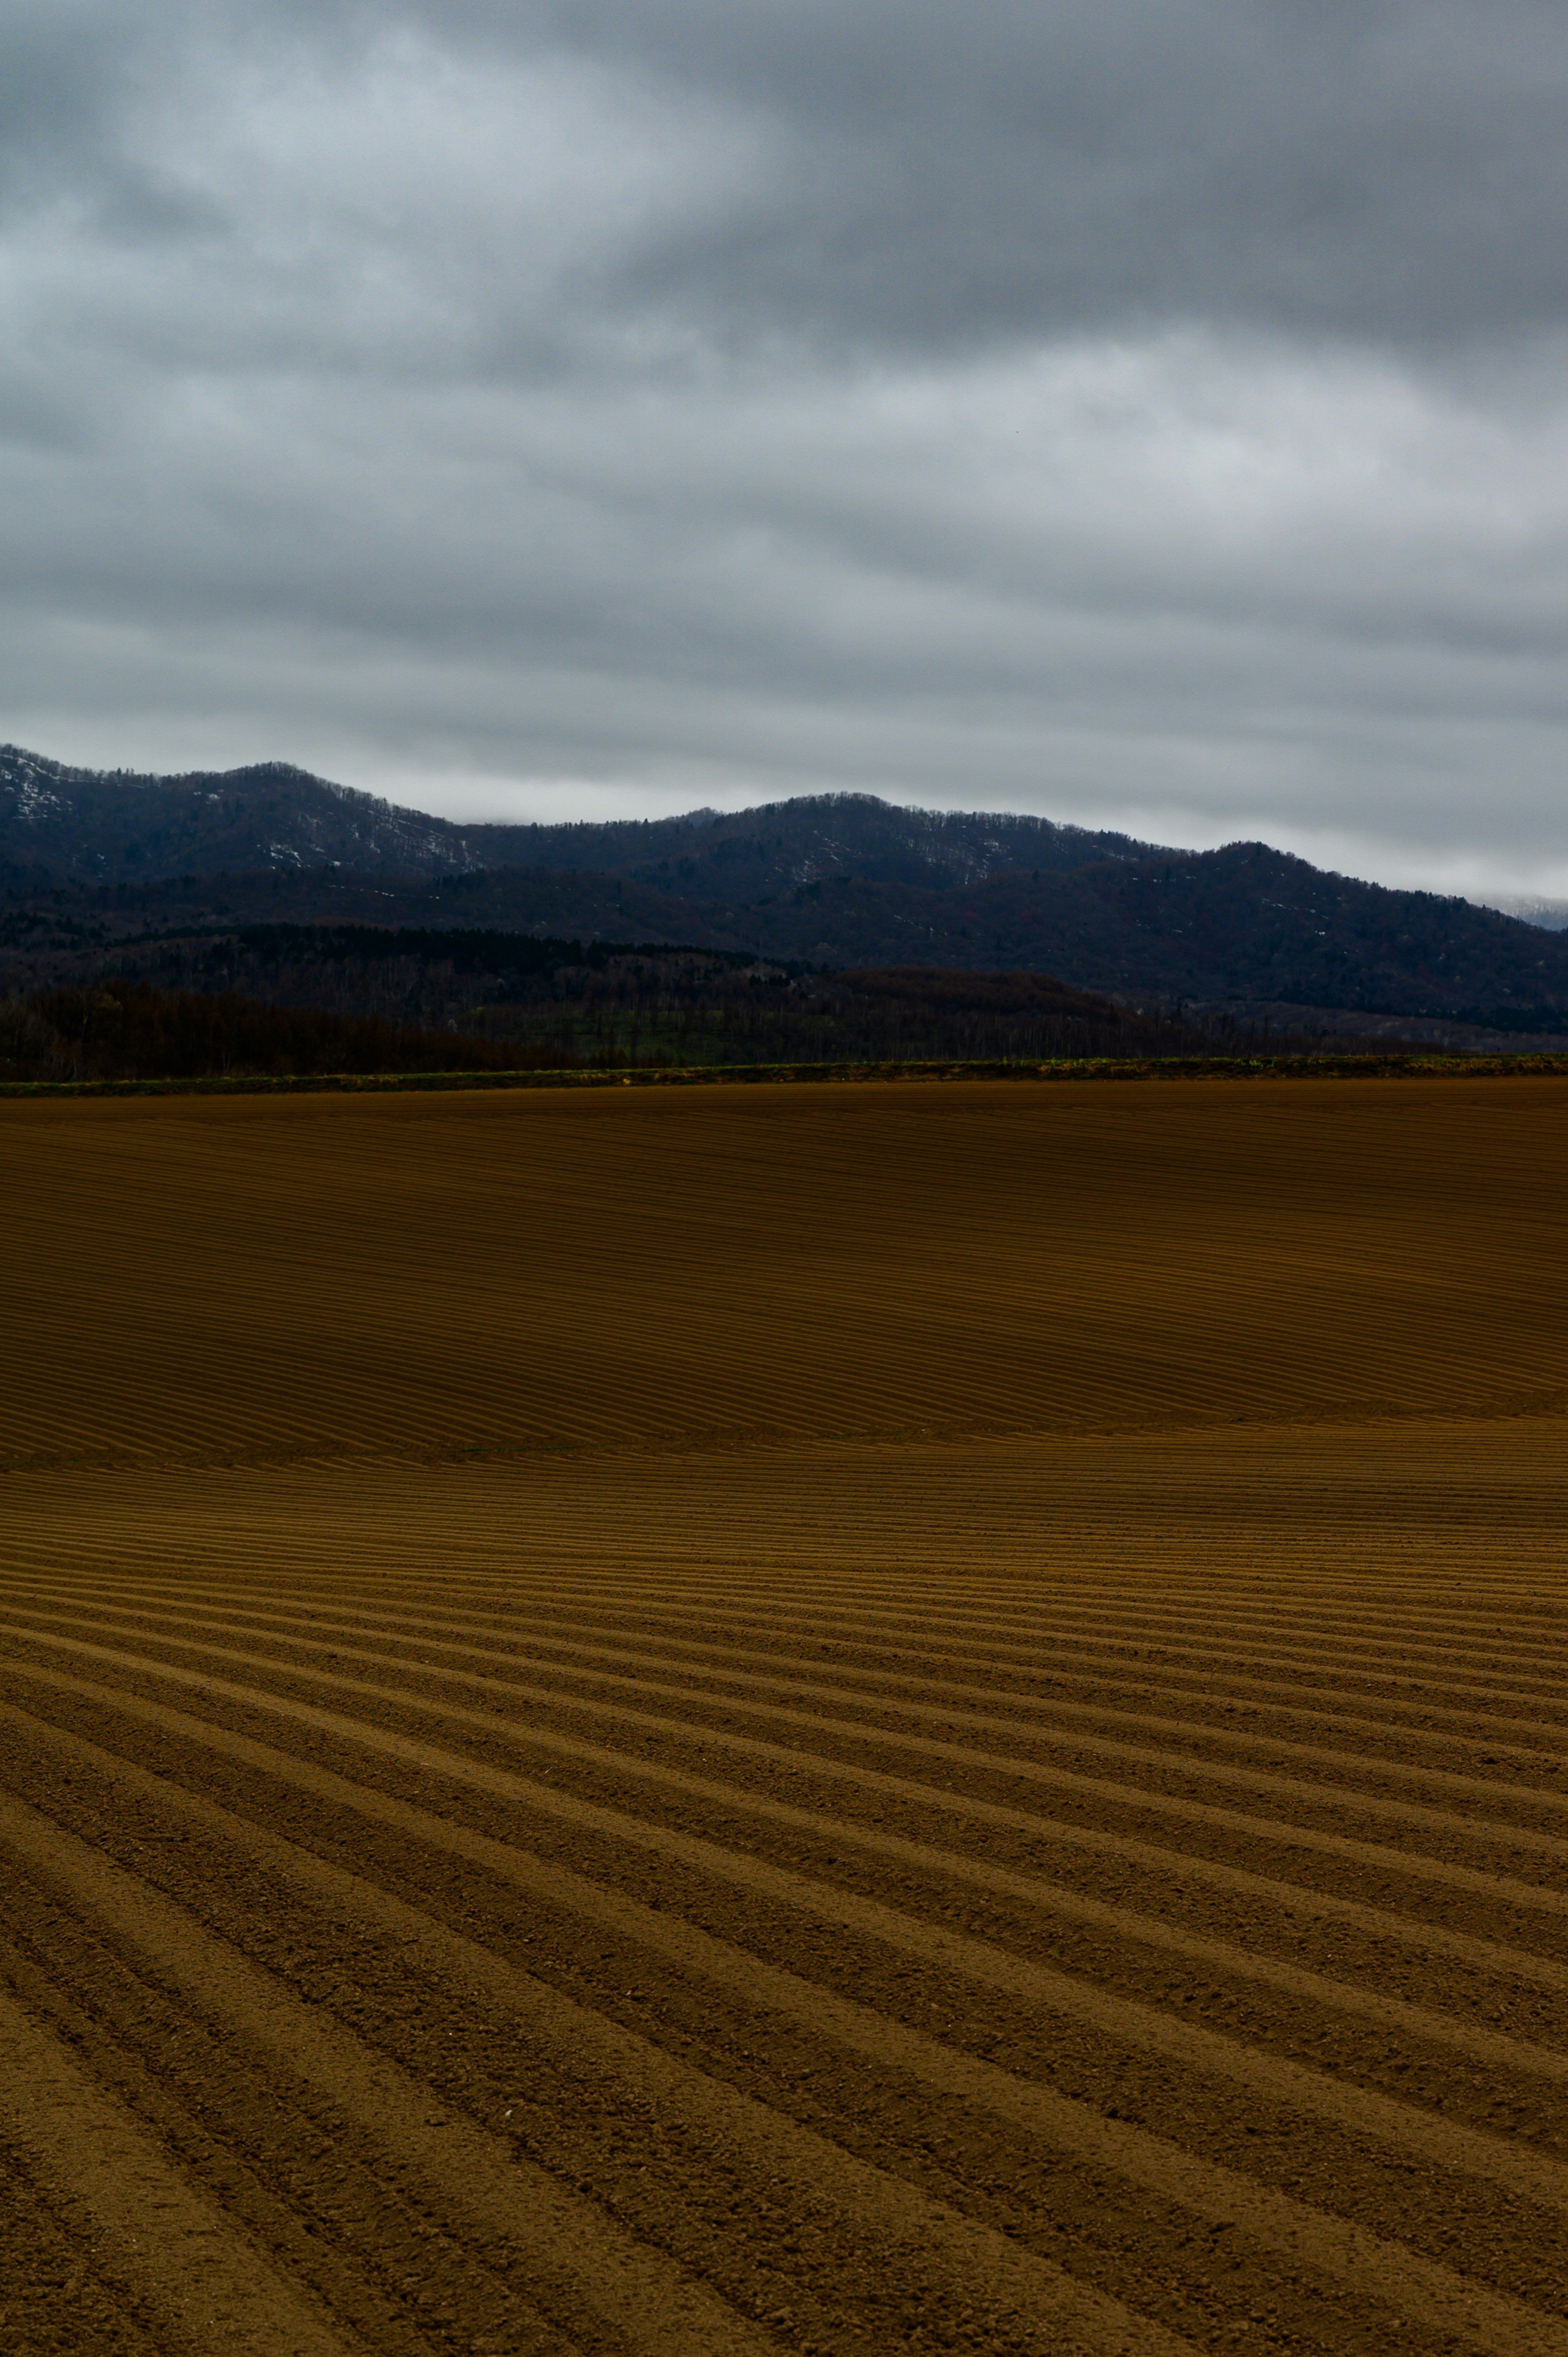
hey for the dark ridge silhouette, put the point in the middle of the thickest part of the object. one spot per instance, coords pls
(837, 880)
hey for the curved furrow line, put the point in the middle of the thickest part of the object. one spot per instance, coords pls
(1033, 1728)
(1495, 2050)
(504, 1638)
(901, 2226)
(696, 1543)
(785, 1495)
(1106, 1664)
(1137, 2025)
(1348, 1799)
(698, 1659)
(907, 1614)
(827, 1625)
(1385, 2275)
(695, 1653)
(1252, 1740)
(1328, 1657)
(1488, 1958)
(205, 2277)
(1360, 1604)
(875, 1639)
(1500, 1889)
(645, 1302)
(1149, 1622)
(1330, 1640)
(1064, 1631)
(636, 1674)
(635, 2289)
(265, 2168)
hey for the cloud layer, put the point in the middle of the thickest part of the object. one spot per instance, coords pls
(1149, 414)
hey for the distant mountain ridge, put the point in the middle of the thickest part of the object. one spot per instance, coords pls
(62, 825)
(836, 880)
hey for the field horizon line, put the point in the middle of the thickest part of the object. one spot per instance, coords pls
(1543, 1065)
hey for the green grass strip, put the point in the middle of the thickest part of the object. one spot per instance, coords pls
(1089, 1068)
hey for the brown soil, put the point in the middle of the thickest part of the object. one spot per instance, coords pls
(927, 1719)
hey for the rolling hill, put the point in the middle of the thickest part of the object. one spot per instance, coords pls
(62, 825)
(943, 1731)
(89, 860)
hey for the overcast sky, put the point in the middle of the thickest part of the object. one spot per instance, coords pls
(1152, 413)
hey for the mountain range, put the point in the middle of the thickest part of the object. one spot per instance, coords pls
(840, 880)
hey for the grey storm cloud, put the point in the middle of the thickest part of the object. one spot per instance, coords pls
(1146, 413)
(1393, 174)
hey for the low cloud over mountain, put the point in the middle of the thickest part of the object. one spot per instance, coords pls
(1149, 414)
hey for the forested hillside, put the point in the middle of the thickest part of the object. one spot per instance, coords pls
(90, 863)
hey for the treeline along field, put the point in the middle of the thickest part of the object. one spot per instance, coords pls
(114, 1029)
(200, 1004)
(787, 1721)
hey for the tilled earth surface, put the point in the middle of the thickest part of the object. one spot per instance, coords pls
(1096, 1891)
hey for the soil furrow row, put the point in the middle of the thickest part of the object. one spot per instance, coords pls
(857, 1684)
(1428, 2293)
(1489, 1960)
(1494, 1833)
(502, 1627)
(507, 1632)
(651, 2304)
(1421, 1931)
(1520, 2172)
(901, 2229)
(1494, 2051)
(205, 2280)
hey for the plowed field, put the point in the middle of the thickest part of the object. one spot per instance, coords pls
(823, 1719)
